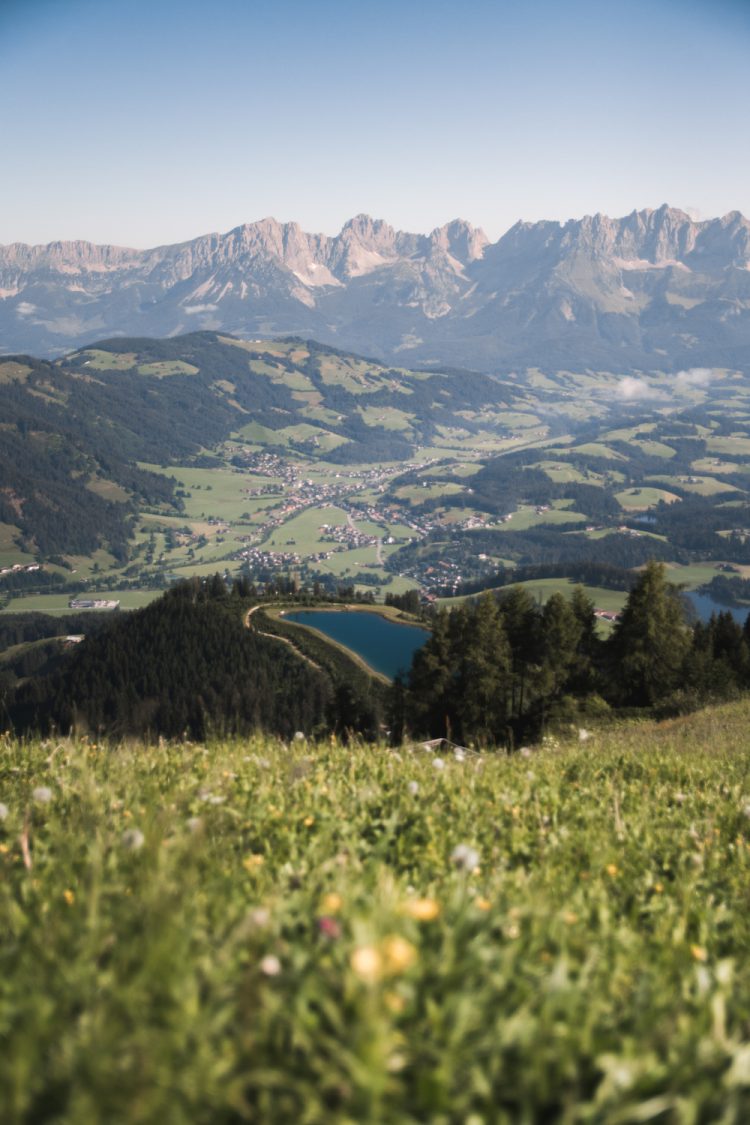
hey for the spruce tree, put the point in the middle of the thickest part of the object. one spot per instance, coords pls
(650, 641)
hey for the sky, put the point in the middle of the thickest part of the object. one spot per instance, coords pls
(145, 122)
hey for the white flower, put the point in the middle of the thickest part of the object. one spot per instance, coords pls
(438, 763)
(258, 918)
(195, 823)
(3, 811)
(42, 794)
(464, 857)
(270, 966)
(413, 788)
(133, 839)
(745, 811)
(459, 755)
(583, 735)
(299, 736)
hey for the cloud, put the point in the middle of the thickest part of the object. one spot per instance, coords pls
(693, 377)
(192, 309)
(25, 308)
(631, 389)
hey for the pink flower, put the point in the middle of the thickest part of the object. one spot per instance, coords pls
(329, 927)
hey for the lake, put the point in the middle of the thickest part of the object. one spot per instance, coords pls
(704, 605)
(384, 644)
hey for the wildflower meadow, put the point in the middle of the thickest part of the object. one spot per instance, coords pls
(313, 933)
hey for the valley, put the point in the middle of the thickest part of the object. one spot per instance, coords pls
(149, 461)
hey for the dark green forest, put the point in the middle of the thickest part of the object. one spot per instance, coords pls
(187, 666)
(500, 668)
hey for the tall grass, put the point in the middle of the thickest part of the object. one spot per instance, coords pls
(247, 931)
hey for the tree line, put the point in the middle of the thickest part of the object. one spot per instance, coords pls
(500, 668)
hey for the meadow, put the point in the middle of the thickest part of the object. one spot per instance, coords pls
(252, 931)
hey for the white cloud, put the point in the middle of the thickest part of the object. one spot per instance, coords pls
(191, 309)
(631, 389)
(25, 308)
(693, 377)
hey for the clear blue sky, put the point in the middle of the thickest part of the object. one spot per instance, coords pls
(142, 122)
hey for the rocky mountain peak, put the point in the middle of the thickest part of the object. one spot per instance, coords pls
(461, 240)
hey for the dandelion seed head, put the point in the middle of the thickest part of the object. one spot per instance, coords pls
(270, 966)
(438, 763)
(464, 857)
(3, 811)
(133, 839)
(42, 794)
(413, 788)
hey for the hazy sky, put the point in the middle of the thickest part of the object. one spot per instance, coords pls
(142, 122)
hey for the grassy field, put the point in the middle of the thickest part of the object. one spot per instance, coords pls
(255, 932)
(58, 603)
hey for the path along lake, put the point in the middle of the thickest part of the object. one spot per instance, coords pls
(385, 645)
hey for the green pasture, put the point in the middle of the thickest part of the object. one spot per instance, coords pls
(58, 603)
(387, 418)
(10, 552)
(524, 518)
(167, 367)
(302, 535)
(251, 931)
(109, 361)
(638, 499)
(702, 486)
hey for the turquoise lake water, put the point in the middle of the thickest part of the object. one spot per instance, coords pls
(386, 646)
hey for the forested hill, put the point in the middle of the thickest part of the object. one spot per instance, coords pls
(73, 430)
(186, 665)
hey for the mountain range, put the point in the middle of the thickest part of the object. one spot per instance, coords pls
(655, 290)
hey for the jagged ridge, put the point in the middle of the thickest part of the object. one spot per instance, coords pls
(654, 289)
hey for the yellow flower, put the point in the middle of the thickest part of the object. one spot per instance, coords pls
(698, 953)
(331, 903)
(367, 963)
(309, 821)
(69, 897)
(658, 888)
(398, 953)
(421, 909)
(482, 903)
(252, 862)
(394, 1003)
(569, 918)
(611, 870)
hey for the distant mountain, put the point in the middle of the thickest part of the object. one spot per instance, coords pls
(653, 290)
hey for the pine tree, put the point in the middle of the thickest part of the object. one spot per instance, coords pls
(650, 641)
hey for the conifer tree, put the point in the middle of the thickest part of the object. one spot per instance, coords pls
(650, 641)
